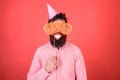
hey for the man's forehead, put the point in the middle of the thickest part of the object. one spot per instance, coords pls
(59, 21)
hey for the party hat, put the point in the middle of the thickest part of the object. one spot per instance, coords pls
(52, 12)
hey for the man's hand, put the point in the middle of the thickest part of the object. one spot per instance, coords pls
(51, 64)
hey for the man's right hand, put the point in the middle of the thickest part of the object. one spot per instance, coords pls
(51, 64)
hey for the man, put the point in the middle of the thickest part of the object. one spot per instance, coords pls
(58, 59)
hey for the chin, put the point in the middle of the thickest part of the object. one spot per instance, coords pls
(58, 43)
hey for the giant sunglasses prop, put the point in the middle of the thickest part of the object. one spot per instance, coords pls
(52, 28)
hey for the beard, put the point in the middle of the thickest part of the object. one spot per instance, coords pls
(58, 43)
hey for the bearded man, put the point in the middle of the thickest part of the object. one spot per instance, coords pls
(58, 59)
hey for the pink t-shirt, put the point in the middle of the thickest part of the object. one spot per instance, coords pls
(70, 63)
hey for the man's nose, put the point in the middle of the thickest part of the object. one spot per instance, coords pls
(58, 30)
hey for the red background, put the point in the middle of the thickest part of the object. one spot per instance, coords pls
(96, 30)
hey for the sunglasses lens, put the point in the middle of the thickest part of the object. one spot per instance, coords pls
(52, 28)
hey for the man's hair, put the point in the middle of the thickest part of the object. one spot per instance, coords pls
(60, 16)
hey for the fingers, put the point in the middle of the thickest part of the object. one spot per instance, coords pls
(51, 64)
(54, 63)
(53, 59)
